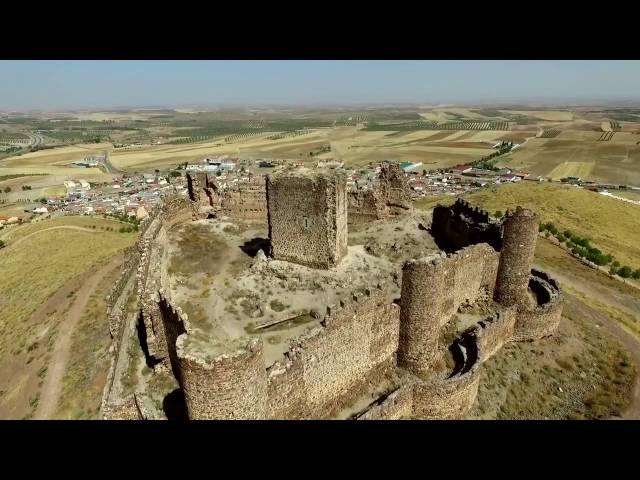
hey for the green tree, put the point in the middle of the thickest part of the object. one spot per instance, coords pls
(43, 200)
(636, 273)
(498, 214)
(7, 189)
(615, 263)
(568, 234)
(625, 272)
(561, 238)
(2, 244)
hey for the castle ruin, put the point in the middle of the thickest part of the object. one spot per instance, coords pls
(377, 352)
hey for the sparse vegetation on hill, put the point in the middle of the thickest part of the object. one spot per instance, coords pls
(609, 223)
(38, 260)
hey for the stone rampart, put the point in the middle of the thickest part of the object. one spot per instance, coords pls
(323, 367)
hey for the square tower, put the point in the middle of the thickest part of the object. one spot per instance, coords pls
(308, 218)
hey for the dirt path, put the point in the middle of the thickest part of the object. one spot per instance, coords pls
(62, 227)
(52, 386)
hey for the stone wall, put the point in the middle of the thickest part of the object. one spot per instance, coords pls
(246, 201)
(518, 247)
(322, 368)
(493, 332)
(542, 319)
(453, 396)
(398, 405)
(366, 206)
(432, 291)
(127, 409)
(230, 386)
(394, 186)
(308, 218)
(461, 225)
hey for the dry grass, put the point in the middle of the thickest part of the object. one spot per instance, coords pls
(580, 373)
(88, 362)
(575, 169)
(38, 266)
(200, 251)
(611, 224)
(53, 161)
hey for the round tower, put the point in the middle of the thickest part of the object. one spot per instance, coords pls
(421, 305)
(518, 246)
(230, 386)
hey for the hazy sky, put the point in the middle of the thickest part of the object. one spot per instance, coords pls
(107, 84)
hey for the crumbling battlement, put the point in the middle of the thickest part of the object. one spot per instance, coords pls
(461, 225)
(202, 192)
(307, 218)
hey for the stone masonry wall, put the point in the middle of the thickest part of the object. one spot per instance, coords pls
(366, 206)
(308, 218)
(247, 201)
(124, 410)
(495, 331)
(323, 367)
(396, 406)
(228, 386)
(432, 292)
(394, 186)
(542, 319)
(231, 386)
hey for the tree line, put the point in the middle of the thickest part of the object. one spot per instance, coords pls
(581, 247)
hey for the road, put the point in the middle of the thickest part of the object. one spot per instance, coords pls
(108, 166)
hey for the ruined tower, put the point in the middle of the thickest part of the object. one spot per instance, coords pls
(308, 218)
(394, 186)
(518, 246)
(230, 386)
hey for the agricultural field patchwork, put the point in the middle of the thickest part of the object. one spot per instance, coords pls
(594, 143)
